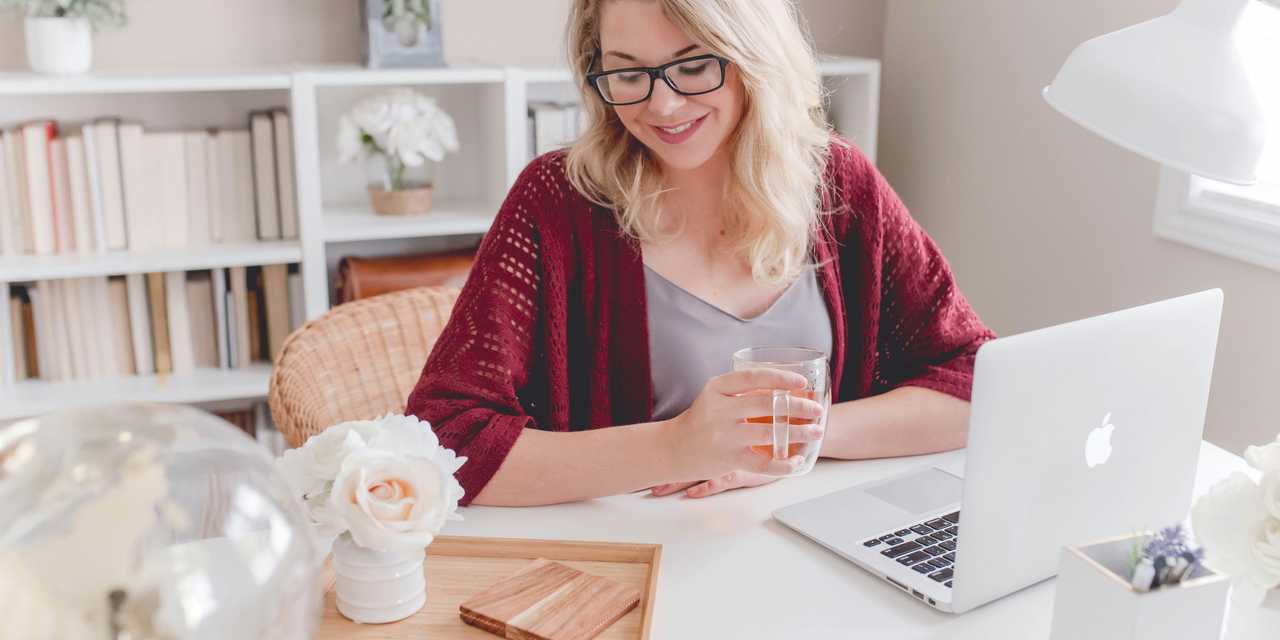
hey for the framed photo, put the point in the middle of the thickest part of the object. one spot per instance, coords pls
(403, 33)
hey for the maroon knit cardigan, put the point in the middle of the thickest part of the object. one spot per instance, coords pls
(550, 331)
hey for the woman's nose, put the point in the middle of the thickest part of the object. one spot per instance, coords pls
(664, 101)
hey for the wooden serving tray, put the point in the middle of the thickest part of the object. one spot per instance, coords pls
(460, 567)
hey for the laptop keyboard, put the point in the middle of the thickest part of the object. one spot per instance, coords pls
(928, 548)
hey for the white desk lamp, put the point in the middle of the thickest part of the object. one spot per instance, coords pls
(1172, 89)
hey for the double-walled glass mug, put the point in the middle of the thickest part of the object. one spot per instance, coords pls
(810, 363)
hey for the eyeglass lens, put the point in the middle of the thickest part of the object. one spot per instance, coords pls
(696, 76)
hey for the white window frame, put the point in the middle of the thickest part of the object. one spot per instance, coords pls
(1237, 222)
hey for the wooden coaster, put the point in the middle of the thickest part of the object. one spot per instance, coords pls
(549, 601)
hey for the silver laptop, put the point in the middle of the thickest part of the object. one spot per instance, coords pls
(1078, 432)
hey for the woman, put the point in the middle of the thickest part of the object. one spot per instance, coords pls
(707, 182)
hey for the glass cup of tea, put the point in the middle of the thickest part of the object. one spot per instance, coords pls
(810, 363)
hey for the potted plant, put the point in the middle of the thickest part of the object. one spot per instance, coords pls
(378, 491)
(399, 134)
(1138, 587)
(58, 32)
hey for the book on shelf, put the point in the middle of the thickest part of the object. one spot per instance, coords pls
(112, 184)
(285, 179)
(81, 203)
(22, 336)
(197, 175)
(553, 125)
(35, 168)
(60, 182)
(180, 346)
(110, 188)
(235, 217)
(153, 323)
(121, 334)
(10, 202)
(83, 364)
(238, 308)
(275, 295)
(266, 195)
(222, 321)
(144, 362)
(297, 306)
(256, 312)
(158, 305)
(203, 318)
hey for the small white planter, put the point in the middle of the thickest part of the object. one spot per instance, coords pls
(1095, 600)
(59, 45)
(377, 586)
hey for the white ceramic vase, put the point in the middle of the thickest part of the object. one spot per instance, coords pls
(59, 45)
(377, 586)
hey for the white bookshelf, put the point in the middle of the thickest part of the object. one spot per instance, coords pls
(33, 397)
(28, 268)
(488, 104)
(356, 223)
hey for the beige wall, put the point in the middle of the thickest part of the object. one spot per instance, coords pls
(1043, 221)
(196, 34)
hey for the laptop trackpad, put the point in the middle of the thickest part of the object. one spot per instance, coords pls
(919, 492)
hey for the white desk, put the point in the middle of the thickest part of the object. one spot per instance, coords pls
(730, 571)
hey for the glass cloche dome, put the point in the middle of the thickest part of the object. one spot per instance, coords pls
(147, 522)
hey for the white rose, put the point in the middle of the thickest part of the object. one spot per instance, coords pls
(310, 469)
(1265, 458)
(350, 140)
(1239, 537)
(1270, 484)
(1268, 550)
(391, 501)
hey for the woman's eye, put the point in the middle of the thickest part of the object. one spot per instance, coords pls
(629, 78)
(693, 69)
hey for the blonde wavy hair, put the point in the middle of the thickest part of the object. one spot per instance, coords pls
(778, 152)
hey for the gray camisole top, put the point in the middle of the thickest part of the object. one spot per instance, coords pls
(692, 341)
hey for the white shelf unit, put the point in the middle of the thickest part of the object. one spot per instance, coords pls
(488, 104)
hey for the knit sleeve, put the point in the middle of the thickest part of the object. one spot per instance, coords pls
(469, 387)
(928, 333)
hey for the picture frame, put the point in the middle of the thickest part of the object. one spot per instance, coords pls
(402, 33)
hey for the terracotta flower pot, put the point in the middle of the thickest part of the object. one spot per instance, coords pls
(398, 203)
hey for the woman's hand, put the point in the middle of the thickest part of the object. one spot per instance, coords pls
(712, 437)
(731, 480)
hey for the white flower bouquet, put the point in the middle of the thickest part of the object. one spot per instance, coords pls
(387, 482)
(404, 127)
(1238, 521)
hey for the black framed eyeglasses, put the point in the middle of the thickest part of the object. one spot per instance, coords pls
(687, 76)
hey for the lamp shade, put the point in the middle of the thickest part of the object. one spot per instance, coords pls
(1173, 89)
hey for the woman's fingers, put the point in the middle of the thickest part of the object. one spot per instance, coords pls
(777, 468)
(668, 489)
(760, 406)
(731, 480)
(747, 380)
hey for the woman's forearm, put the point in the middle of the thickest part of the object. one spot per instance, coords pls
(905, 421)
(546, 467)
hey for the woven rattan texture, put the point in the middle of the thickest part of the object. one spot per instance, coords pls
(358, 361)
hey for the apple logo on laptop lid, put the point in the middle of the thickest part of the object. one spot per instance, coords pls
(1097, 449)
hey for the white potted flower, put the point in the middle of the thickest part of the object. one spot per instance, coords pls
(380, 490)
(1238, 521)
(400, 134)
(58, 32)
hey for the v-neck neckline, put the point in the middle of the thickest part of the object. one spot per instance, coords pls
(773, 305)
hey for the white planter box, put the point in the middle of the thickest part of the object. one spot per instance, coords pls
(1095, 600)
(59, 45)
